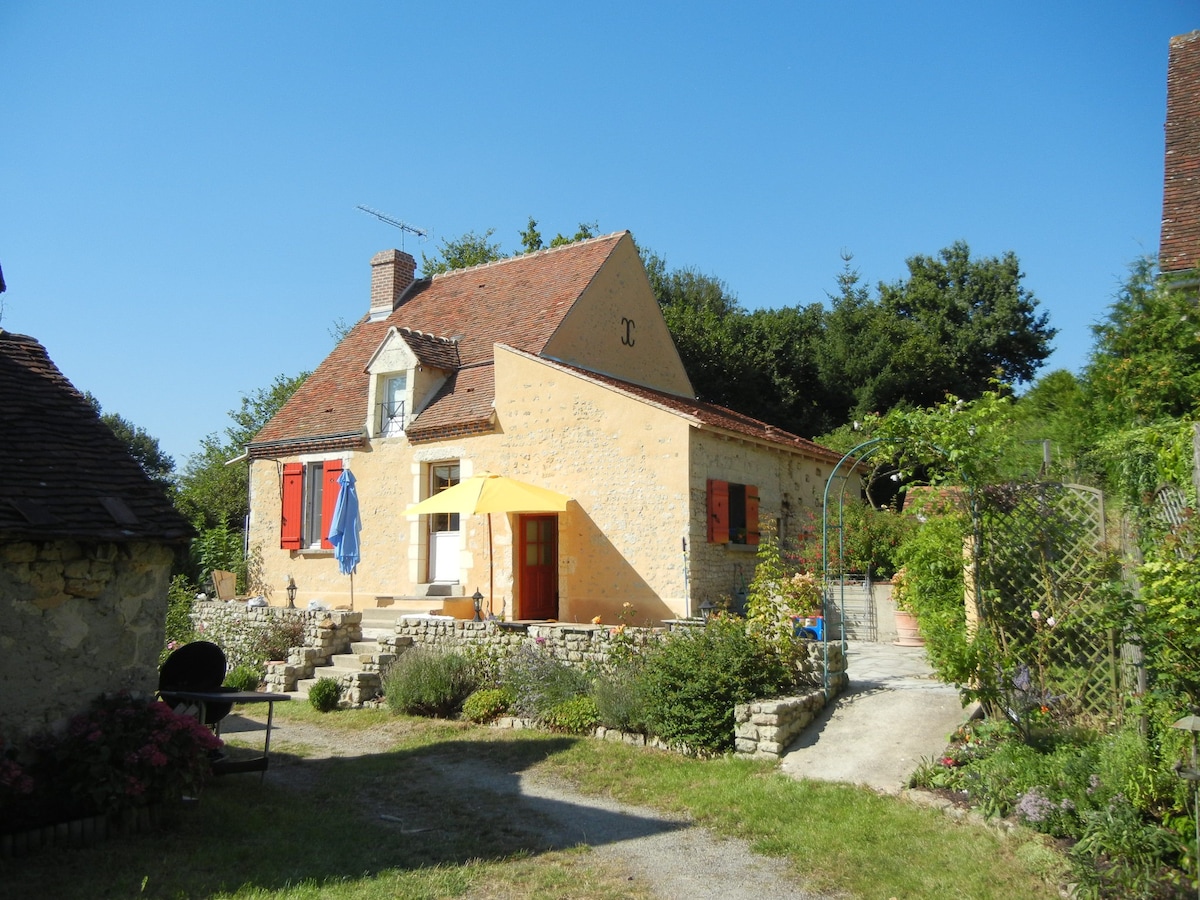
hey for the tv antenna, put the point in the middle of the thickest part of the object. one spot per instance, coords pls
(396, 223)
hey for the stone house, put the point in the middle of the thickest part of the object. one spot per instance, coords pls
(555, 368)
(87, 541)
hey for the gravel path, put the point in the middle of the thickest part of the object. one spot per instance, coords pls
(893, 715)
(674, 857)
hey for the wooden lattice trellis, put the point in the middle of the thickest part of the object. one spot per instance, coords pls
(1044, 570)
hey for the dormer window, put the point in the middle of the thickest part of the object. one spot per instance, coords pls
(392, 409)
(406, 372)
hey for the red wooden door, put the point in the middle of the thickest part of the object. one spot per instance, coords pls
(538, 550)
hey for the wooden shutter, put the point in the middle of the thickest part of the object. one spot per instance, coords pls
(292, 506)
(751, 514)
(329, 495)
(718, 511)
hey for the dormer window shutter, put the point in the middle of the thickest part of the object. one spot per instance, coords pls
(329, 495)
(293, 493)
(718, 511)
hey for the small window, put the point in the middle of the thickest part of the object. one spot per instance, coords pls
(309, 493)
(732, 513)
(391, 410)
(442, 476)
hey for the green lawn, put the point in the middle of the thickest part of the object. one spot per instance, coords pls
(391, 825)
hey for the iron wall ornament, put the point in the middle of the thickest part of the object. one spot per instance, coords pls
(627, 338)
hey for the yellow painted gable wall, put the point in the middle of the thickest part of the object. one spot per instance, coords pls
(616, 327)
(623, 463)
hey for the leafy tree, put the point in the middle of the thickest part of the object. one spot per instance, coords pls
(1145, 366)
(474, 249)
(1055, 410)
(956, 326)
(142, 446)
(459, 253)
(531, 238)
(213, 494)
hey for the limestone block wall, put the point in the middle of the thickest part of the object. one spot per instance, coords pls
(763, 729)
(80, 619)
(325, 632)
(574, 644)
(791, 489)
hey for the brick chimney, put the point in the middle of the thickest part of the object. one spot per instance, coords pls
(1179, 243)
(392, 271)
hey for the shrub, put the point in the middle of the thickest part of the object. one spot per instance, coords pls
(575, 715)
(693, 679)
(325, 694)
(619, 702)
(180, 596)
(428, 683)
(486, 704)
(1122, 855)
(539, 681)
(244, 678)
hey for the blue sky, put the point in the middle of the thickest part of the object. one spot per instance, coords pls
(178, 182)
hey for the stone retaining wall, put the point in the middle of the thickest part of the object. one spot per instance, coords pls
(326, 632)
(763, 729)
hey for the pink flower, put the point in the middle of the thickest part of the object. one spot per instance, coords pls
(1036, 615)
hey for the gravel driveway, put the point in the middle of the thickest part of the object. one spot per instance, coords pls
(671, 857)
(893, 714)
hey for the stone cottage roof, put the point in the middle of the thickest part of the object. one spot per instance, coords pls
(519, 301)
(63, 473)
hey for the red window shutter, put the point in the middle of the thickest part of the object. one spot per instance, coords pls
(751, 514)
(329, 495)
(718, 511)
(293, 494)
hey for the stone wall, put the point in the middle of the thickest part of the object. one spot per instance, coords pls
(326, 632)
(763, 729)
(80, 619)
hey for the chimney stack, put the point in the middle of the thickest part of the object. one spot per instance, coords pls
(1179, 243)
(392, 271)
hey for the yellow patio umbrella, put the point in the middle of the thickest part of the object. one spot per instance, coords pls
(489, 493)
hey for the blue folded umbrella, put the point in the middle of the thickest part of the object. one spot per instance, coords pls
(346, 525)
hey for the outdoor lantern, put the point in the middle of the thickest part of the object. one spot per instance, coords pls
(706, 609)
(291, 592)
(478, 598)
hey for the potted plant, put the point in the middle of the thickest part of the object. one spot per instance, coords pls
(908, 632)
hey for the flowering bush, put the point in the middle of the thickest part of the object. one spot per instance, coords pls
(539, 681)
(127, 751)
(15, 782)
(776, 595)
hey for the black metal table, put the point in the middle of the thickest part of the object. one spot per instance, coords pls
(202, 698)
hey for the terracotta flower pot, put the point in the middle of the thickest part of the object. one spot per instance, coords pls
(907, 633)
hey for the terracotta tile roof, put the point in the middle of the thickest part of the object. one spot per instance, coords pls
(1179, 243)
(439, 352)
(63, 473)
(709, 414)
(464, 402)
(518, 301)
